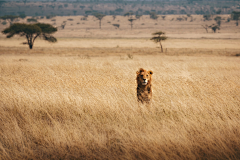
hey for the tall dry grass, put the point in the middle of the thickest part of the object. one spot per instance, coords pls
(55, 107)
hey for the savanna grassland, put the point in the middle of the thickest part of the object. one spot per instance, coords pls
(84, 106)
(76, 99)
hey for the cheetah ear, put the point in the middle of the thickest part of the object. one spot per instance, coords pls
(138, 73)
(150, 72)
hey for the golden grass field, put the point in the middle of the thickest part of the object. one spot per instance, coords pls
(76, 99)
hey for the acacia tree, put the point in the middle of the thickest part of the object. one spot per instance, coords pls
(9, 18)
(99, 16)
(31, 32)
(131, 21)
(206, 27)
(158, 37)
(130, 18)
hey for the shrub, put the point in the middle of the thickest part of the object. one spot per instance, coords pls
(4, 23)
(116, 25)
(50, 16)
(207, 17)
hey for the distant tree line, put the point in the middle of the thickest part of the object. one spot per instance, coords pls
(139, 7)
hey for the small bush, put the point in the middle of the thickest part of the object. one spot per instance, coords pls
(207, 17)
(179, 19)
(116, 25)
(31, 20)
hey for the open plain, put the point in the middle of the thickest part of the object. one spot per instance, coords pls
(76, 99)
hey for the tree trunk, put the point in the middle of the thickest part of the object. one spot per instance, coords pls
(161, 46)
(30, 46)
(100, 24)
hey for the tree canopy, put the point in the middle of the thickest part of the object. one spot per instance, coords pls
(31, 32)
(99, 16)
(214, 27)
(131, 21)
(10, 18)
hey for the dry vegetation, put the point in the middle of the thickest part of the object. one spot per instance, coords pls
(83, 105)
(76, 99)
(142, 28)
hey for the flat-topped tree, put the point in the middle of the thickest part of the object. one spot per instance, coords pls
(130, 18)
(99, 16)
(9, 18)
(159, 37)
(131, 21)
(31, 32)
